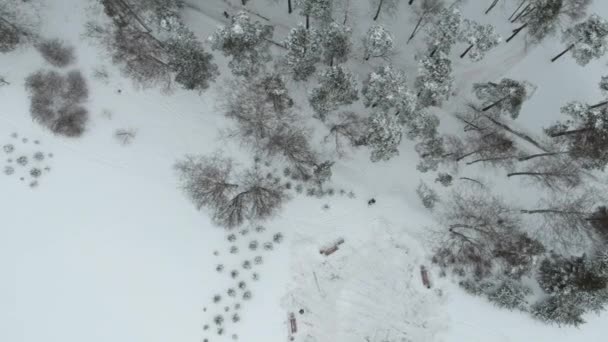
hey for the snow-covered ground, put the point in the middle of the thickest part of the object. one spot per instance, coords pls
(107, 248)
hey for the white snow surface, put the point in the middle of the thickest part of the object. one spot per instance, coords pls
(107, 248)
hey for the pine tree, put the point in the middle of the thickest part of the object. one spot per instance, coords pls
(559, 309)
(425, 12)
(506, 97)
(246, 42)
(585, 134)
(481, 39)
(384, 135)
(317, 9)
(387, 6)
(386, 88)
(303, 52)
(337, 87)
(509, 294)
(542, 18)
(586, 41)
(378, 42)
(190, 62)
(335, 40)
(442, 35)
(434, 82)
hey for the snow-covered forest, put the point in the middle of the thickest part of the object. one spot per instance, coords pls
(303, 170)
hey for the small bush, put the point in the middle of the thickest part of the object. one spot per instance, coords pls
(242, 285)
(268, 246)
(258, 260)
(247, 295)
(8, 148)
(9, 170)
(247, 264)
(253, 245)
(427, 195)
(255, 276)
(234, 273)
(277, 238)
(35, 172)
(236, 318)
(56, 52)
(124, 136)
(22, 160)
(217, 298)
(234, 250)
(39, 156)
(219, 268)
(218, 319)
(231, 237)
(231, 292)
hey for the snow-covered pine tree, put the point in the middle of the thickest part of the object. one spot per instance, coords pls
(481, 39)
(303, 52)
(337, 87)
(434, 82)
(191, 64)
(378, 42)
(336, 43)
(542, 18)
(506, 97)
(585, 134)
(387, 6)
(444, 32)
(559, 309)
(317, 9)
(384, 135)
(587, 40)
(386, 88)
(509, 294)
(425, 12)
(246, 42)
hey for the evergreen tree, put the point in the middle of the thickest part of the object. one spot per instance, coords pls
(442, 35)
(335, 40)
(585, 134)
(190, 62)
(303, 52)
(317, 9)
(586, 41)
(559, 309)
(481, 39)
(509, 294)
(506, 97)
(434, 82)
(427, 195)
(246, 42)
(542, 18)
(378, 42)
(384, 135)
(387, 6)
(337, 87)
(426, 10)
(386, 88)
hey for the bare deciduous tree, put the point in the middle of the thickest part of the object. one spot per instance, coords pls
(348, 129)
(555, 173)
(206, 180)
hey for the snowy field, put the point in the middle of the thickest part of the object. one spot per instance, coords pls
(104, 246)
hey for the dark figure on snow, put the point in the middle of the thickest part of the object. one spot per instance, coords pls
(226, 15)
(371, 201)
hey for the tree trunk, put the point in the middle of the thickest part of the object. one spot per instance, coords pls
(516, 133)
(517, 9)
(521, 13)
(601, 104)
(434, 51)
(516, 31)
(411, 1)
(547, 154)
(527, 174)
(378, 10)
(492, 6)
(289, 9)
(307, 21)
(468, 154)
(562, 53)
(489, 159)
(415, 29)
(551, 211)
(488, 107)
(574, 131)
(473, 180)
(467, 50)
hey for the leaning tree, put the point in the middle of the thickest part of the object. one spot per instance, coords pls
(480, 38)
(542, 18)
(586, 41)
(444, 32)
(503, 98)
